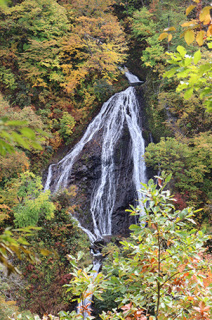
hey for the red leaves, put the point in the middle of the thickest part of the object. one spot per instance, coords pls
(180, 203)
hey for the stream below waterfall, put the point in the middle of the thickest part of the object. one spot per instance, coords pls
(118, 118)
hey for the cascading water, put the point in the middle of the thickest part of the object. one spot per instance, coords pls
(118, 115)
(119, 111)
(132, 78)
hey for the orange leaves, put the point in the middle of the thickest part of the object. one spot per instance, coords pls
(160, 182)
(209, 31)
(127, 307)
(55, 141)
(133, 313)
(13, 164)
(203, 311)
(94, 48)
(182, 267)
(200, 281)
(83, 309)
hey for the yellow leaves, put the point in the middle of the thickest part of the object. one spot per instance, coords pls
(55, 141)
(74, 78)
(94, 49)
(170, 29)
(189, 36)
(205, 15)
(189, 9)
(163, 36)
(40, 83)
(13, 164)
(169, 37)
(191, 23)
(88, 98)
(209, 31)
(45, 252)
(200, 37)
(203, 19)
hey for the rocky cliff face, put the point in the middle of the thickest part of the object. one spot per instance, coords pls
(86, 176)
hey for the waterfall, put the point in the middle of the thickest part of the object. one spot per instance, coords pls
(90, 235)
(119, 112)
(133, 80)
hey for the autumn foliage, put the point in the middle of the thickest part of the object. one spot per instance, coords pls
(54, 56)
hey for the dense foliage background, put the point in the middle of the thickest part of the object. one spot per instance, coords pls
(60, 60)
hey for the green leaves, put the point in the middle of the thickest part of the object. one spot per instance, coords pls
(170, 73)
(190, 165)
(67, 123)
(15, 133)
(146, 23)
(182, 51)
(188, 93)
(197, 56)
(33, 202)
(195, 71)
(156, 268)
(14, 243)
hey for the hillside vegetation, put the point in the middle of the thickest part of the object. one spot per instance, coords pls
(60, 60)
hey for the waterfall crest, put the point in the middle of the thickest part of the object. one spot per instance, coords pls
(132, 78)
(121, 111)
